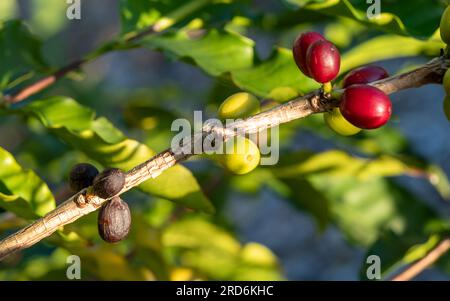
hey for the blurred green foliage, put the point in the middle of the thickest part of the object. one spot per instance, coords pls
(175, 234)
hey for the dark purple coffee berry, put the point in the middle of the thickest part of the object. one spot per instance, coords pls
(81, 176)
(114, 220)
(109, 183)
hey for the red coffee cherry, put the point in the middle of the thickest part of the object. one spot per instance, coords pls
(364, 75)
(323, 61)
(365, 106)
(301, 46)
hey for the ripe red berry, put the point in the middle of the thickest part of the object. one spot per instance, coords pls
(365, 106)
(323, 61)
(301, 46)
(364, 75)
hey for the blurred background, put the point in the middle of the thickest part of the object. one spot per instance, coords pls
(316, 216)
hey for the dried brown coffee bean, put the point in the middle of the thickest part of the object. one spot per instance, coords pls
(114, 220)
(81, 176)
(109, 183)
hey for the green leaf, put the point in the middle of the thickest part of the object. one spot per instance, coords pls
(22, 191)
(19, 54)
(214, 252)
(140, 14)
(102, 142)
(339, 164)
(224, 52)
(217, 52)
(221, 52)
(364, 209)
(8, 9)
(48, 16)
(418, 18)
(353, 193)
(387, 47)
(397, 250)
(439, 180)
(305, 196)
(279, 70)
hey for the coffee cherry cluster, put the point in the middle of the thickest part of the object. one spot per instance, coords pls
(245, 155)
(445, 36)
(114, 218)
(362, 106)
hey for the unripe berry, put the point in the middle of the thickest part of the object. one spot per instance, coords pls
(239, 105)
(445, 26)
(323, 61)
(365, 106)
(339, 124)
(301, 46)
(364, 75)
(114, 220)
(109, 183)
(81, 176)
(447, 107)
(446, 82)
(244, 157)
(283, 94)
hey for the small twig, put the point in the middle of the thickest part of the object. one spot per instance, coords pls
(43, 83)
(70, 210)
(424, 263)
(159, 26)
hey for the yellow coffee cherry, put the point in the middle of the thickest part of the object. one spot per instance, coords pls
(446, 82)
(445, 26)
(447, 107)
(283, 94)
(245, 156)
(339, 124)
(239, 105)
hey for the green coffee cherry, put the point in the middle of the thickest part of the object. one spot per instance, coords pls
(447, 107)
(446, 82)
(445, 26)
(339, 124)
(283, 94)
(244, 158)
(239, 105)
